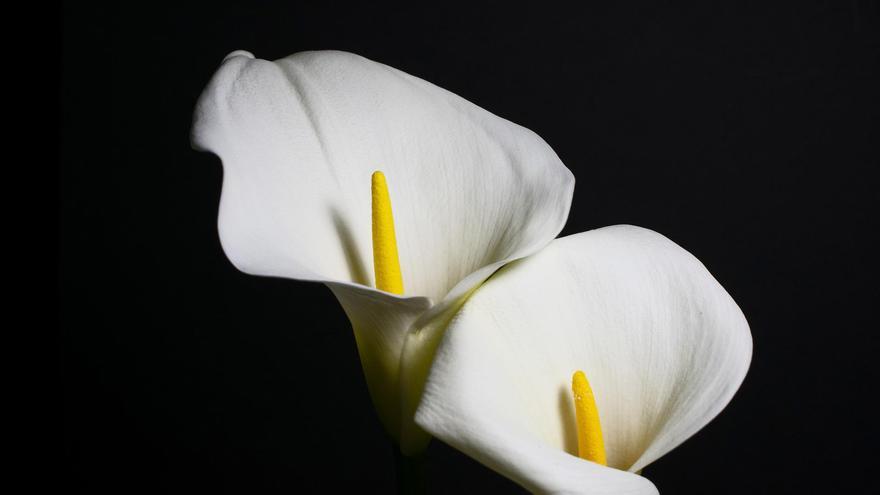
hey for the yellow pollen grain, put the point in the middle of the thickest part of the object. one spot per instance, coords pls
(589, 432)
(386, 263)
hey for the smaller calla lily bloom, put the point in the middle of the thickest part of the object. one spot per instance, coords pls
(300, 139)
(573, 369)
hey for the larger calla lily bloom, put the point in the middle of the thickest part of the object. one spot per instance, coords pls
(299, 139)
(662, 343)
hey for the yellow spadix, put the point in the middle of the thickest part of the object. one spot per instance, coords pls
(386, 263)
(589, 432)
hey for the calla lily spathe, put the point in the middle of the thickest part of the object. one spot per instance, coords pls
(299, 138)
(663, 344)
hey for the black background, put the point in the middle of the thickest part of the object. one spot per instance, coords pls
(746, 133)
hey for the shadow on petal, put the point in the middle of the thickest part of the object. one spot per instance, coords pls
(356, 267)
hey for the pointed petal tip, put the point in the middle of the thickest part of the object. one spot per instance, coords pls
(239, 53)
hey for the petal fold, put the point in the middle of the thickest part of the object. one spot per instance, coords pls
(380, 322)
(662, 343)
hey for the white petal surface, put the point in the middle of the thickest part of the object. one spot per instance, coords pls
(299, 138)
(662, 343)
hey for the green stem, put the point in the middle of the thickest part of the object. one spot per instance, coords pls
(409, 471)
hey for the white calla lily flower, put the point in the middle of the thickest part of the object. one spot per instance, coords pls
(299, 139)
(662, 343)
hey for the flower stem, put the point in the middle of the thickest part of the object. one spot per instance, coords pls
(409, 471)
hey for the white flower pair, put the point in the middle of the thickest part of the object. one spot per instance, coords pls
(495, 315)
